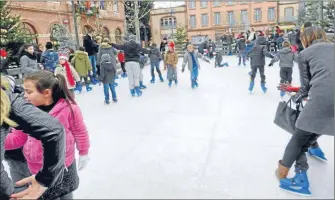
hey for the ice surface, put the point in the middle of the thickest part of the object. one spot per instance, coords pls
(217, 141)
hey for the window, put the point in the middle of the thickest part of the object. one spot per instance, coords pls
(288, 13)
(168, 22)
(191, 4)
(258, 15)
(116, 6)
(192, 21)
(203, 3)
(244, 16)
(217, 18)
(271, 14)
(102, 4)
(204, 19)
(230, 2)
(230, 16)
(118, 34)
(216, 3)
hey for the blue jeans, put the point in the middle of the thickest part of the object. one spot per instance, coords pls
(153, 66)
(106, 91)
(242, 55)
(194, 74)
(93, 64)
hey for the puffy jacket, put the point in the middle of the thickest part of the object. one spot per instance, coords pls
(292, 37)
(106, 48)
(285, 57)
(171, 58)
(258, 52)
(107, 73)
(76, 134)
(131, 50)
(81, 63)
(240, 45)
(49, 60)
(42, 127)
(154, 54)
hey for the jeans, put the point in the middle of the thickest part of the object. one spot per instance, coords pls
(93, 64)
(241, 55)
(194, 74)
(153, 66)
(106, 91)
(297, 147)
(254, 72)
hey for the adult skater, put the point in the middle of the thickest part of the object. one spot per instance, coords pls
(316, 66)
(16, 112)
(132, 52)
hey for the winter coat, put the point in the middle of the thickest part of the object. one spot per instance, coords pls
(107, 73)
(212, 44)
(76, 135)
(143, 61)
(120, 57)
(292, 38)
(49, 59)
(42, 127)
(154, 54)
(163, 47)
(61, 70)
(285, 57)
(202, 46)
(316, 66)
(90, 46)
(28, 64)
(171, 58)
(280, 40)
(229, 39)
(252, 36)
(188, 59)
(106, 48)
(218, 58)
(258, 52)
(81, 63)
(131, 50)
(240, 45)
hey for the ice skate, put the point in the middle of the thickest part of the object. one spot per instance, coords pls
(132, 92)
(251, 86)
(142, 86)
(79, 88)
(176, 82)
(107, 102)
(161, 79)
(152, 80)
(170, 83)
(299, 184)
(263, 87)
(282, 94)
(115, 100)
(138, 91)
(317, 153)
(88, 88)
(124, 75)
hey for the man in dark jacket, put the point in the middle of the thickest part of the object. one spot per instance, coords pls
(155, 58)
(241, 46)
(257, 55)
(91, 48)
(42, 127)
(132, 52)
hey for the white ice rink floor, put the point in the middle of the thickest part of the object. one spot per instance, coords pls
(217, 141)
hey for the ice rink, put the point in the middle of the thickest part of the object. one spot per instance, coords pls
(217, 141)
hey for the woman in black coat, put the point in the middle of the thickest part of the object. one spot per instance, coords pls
(316, 66)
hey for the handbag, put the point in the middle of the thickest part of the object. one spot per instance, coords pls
(286, 116)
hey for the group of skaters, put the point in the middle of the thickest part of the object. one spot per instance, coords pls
(41, 124)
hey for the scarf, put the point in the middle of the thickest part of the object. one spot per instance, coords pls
(69, 74)
(31, 56)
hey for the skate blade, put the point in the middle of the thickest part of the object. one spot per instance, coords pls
(306, 193)
(318, 158)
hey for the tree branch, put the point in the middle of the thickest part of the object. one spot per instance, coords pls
(144, 14)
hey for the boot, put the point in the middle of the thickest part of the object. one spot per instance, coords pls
(170, 83)
(88, 88)
(124, 75)
(132, 92)
(142, 86)
(251, 86)
(176, 82)
(196, 83)
(263, 87)
(152, 80)
(192, 84)
(316, 152)
(282, 171)
(161, 79)
(299, 184)
(79, 87)
(138, 91)
(93, 81)
(225, 64)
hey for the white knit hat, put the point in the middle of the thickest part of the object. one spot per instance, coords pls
(63, 56)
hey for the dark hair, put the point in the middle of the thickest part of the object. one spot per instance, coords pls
(154, 44)
(23, 49)
(71, 50)
(57, 83)
(48, 45)
(81, 48)
(307, 24)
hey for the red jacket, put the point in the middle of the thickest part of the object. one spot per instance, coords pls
(120, 56)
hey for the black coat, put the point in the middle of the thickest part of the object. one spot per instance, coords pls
(91, 47)
(131, 50)
(42, 127)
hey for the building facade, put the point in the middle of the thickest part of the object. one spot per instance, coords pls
(164, 22)
(214, 18)
(288, 14)
(38, 18)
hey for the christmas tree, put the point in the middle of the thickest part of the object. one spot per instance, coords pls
(328, 17)
(181, 35)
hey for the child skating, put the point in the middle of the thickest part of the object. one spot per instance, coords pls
(107, 77)
(155, 57)
(257, 55)
(191, 58)
(286, 60)
(241, 47)
(171, 60)
(82, 65)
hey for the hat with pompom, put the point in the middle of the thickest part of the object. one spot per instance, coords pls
(171, 44)
(63, 56)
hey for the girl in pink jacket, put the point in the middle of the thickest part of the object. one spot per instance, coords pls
(50, 93)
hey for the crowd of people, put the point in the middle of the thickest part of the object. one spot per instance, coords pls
(40, 151)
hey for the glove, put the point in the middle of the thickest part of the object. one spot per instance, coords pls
(182, 70)
(83, 161)
(270, 65)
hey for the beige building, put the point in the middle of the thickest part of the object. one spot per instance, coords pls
(213, 18)
(38, 18)
(164, 21)
(288, 14)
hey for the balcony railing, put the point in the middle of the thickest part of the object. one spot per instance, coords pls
(171, 26)
(288, 19)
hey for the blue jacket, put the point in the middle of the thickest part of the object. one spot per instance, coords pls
(248, 47)
(49, 60)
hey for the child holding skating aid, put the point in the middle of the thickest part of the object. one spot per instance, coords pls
(191, 58)
(171, 60)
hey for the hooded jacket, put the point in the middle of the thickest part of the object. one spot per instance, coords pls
(285, 57)
(49, 59)
(107, 70)
(106, 48)
(154, 54)
(258, 52)
(131, 50)
(240, 45)
(42, 127)
(81, 63)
